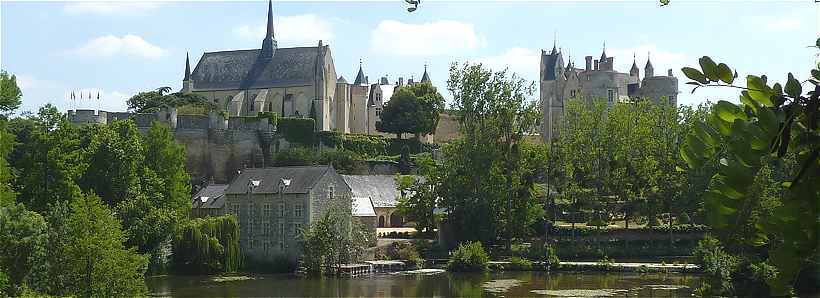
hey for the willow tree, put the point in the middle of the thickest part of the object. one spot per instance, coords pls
(208, 245)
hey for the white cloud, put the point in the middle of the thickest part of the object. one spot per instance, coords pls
(437, 38)
(127, 45)
(521, 61)
(306, 29)
(109, 7)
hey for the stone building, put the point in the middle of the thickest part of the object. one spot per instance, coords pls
(382, 192)
(209, 201)
(560, 82)
(297, 81)
(273, 204)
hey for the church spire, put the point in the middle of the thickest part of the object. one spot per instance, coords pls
(649, 71)
(634, 71)
(187, 69)
(603, 53)
(269, 44)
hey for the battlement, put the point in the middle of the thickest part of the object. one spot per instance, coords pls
(87, 117)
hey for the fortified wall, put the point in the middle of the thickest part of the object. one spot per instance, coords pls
(216, 147)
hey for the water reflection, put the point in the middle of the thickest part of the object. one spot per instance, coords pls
(440, 285)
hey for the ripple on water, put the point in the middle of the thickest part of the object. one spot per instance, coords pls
(500, 285)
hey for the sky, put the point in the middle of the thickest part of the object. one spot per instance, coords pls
(120, 48)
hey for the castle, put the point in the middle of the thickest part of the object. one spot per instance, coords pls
(598, 79)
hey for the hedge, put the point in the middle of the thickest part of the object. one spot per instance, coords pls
(372, 145)
(297, 130)
(587, 231)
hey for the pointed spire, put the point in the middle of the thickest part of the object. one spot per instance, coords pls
(649, 71)
(269, 44)
(603, 53)
(634, 70)
(554, 43)
(187, 69)
(425, 78)
(270, 20)
(360, 78)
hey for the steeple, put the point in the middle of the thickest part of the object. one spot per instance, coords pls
(425, 78)
(634, 70)
(269, 44)
(603, 54)
(360, 78)
(187, 69)
(648, 70)
(554, 43)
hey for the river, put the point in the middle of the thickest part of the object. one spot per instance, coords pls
(507, 284)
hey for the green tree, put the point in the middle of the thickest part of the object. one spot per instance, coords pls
(208, 245)
(417, 202)
(334, 239)
(156, 100)
(412, 109)
(773, 122)
(486, 185)
(99, 265)
(22, 244)
(9, 93)
(7, 194)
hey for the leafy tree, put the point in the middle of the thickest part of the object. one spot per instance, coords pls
(417, 202)
(22, 244)
(296, 156)
(156, 100)
(208, 245)
(336, 238)
(774, 122)
(344, 161)
(99, 265)
(486, 185)
(9, 93)
(7, 194)
(412, 109)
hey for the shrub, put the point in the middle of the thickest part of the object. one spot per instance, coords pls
(344, 161)
(683, 218)
(518, 263)
(543, 253)
(717, 264)
(297, 130)
(468, 257)
(297, 156)
(403, 250)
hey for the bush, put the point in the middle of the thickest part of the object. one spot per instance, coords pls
(297, 156)
(297, 130)
(543, 253)
(403, 250)
(469, 257)
(718, 266)
(683, 218)
(521, 264)
(345, 162)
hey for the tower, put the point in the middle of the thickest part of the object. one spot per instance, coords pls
(552, 83)
(269, 44)
(425, 78)
(634, 71)
(648, 70)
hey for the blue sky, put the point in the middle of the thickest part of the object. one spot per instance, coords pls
(121, 48)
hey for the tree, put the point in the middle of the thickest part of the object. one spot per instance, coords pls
(417, 202)
(22, 244)
(334, 239)
(773, 121)
(156, 100)
(494, 111)
(99, 265)
(412, 109)
(7, 194)
(9, 93)
(208, 245)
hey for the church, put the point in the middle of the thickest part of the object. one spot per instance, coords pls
(292, 82)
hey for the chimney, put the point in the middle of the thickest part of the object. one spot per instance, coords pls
(589, 63)
(610, 62)
(669, 72)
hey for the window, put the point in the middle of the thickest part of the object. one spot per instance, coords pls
(266, 211)
(572, 93)
(281, 229)
(266, 246)
(281, 210)
(287, 105)
(267, 230)
(298, 228)
(378, 112)
(251, 243)
(297, 210)
(330, 193)
(293, 229)
(610, 95)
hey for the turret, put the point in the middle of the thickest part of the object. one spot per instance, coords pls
(634, 71)
(648, 70)
(425, 78)
(187, 84)
(360, 78)
(269, 44)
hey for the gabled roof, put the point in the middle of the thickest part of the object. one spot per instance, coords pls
(381, 189)
(210, 197)
(302, 179)
(241, 69)
(387, 92)
(363, 207)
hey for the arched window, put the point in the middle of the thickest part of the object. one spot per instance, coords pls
(381, 221)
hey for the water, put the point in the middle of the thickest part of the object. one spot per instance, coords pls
(507, 284)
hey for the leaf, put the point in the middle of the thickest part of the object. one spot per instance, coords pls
(728, 111)
(695, 75)
(725, 74)
(817, 43)
(793, 87)
(690, 157)
(706, 134)
(746, 100)
(710, 69)
(816, 74)
(758, 90)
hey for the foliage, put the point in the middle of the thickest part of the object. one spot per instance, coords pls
(159, 99)
(9, 93)
(295, 156)
(544, 253)
(487, 177)
(417, 201)
(22, 244)
(336, 238)
(345, 162)
(404, 250)
(412, 109)
(7, 194)
(773, 122)
(297, 130)
(208, 245)
(519, 263)
(98, 264)
(468, 257)
(718, 265)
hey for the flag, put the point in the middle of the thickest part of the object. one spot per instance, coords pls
(98, 95)
(72, 94)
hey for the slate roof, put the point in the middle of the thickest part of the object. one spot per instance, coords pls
(381, 189)
(363, 207)
(215, 194)
(303, 178)
(360, 78)
(240, 69)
